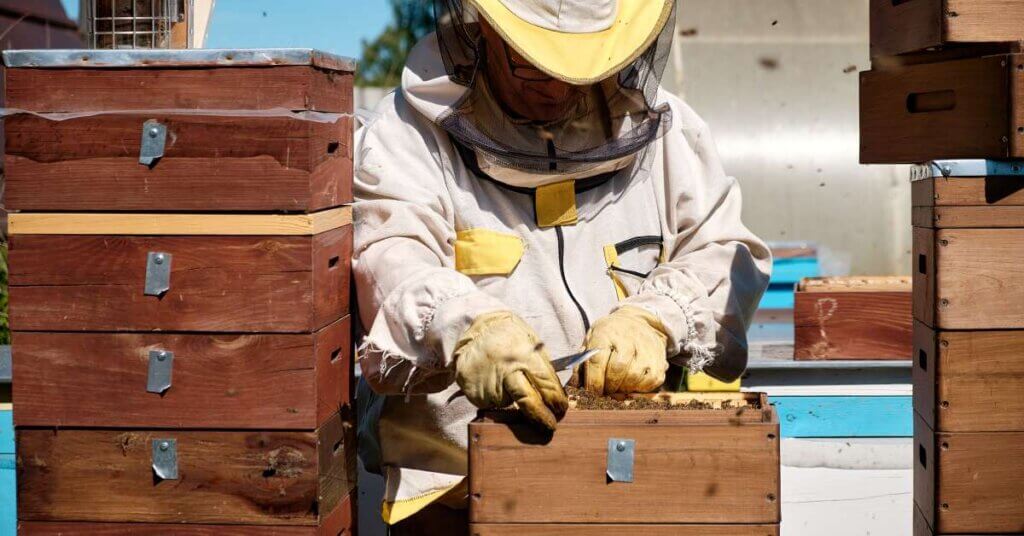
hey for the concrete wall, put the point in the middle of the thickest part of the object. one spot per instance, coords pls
(777, 82)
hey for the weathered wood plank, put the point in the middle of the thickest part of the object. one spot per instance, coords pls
(604, 529)
(259, 478)
(907, 115)
(899, 27)
(979, 279)
(924, 275)
(222, 88)
(974, 380)
(268, 284)
(62, 223)
(265, 382)
(731, 470)
(210, 163)
(340, 522)
(848, 320)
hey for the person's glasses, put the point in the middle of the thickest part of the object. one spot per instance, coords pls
(522, 69)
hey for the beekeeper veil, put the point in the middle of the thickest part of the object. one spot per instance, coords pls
(609, 55)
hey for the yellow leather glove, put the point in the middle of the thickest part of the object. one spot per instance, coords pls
(500, 360)
(633, 358)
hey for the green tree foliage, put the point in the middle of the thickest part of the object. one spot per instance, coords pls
(384, 57)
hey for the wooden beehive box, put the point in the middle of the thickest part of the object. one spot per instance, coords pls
(182, 344)
(903, 26)
(968, 263)
(691, 471)
(969, 381)
(853, 318)
(968, 108)
(239, 130)
(969, 483)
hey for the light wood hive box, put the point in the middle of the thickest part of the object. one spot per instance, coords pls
(188, 314)
(908, 26)
(694, 471)
(968, 362)
(852, 318)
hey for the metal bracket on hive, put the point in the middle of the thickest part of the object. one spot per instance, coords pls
(158, 273)
(158, 380)
(621, 453)
(154, 141)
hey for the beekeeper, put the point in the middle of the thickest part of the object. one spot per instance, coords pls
(530, 190)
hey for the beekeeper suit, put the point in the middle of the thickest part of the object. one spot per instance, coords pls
(529, 191)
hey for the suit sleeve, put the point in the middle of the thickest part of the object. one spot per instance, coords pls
(413, 302)
(706, 291)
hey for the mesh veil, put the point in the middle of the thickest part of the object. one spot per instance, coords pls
(607, 121)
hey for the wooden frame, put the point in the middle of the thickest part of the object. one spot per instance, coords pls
(969, 482)
(899, 27)
(269, 284)
(220, 381)
(969, 381)
(557, 529)
(340, 522)
(960, 109)
(718, 466)
(210, 163)
(853, 318)
(257, 477)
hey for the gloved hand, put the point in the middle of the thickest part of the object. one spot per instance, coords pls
(500, 360)
(633, 358)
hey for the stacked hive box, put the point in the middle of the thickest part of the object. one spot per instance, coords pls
(707, 467)
(180, 252)
(960, 107)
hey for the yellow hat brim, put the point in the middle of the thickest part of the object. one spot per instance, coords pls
(582, 58)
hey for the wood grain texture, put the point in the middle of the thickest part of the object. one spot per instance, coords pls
(218, 284)
(264, 382)
(69, 223)
(907, 115)
(602, 529)
(259, 478)
(902, 27)
(853, 324)
(338, 523)
(223, 88)
(855, 284)
(969, 191)
(975, 378)
(210, 163)
(923, 258)
(969, 217)
(925, 361)
(977, 482)
(905, 27)
(701, 472)
(979, 279)
(924, 469)
(921, 527)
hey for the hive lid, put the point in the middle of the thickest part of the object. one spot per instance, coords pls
(256, 57)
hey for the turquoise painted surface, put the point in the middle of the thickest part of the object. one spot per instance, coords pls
(845, 416)
(6, 432)
(793, 270)
(8, 496)
(778, 297)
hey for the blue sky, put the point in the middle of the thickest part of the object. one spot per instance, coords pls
(331, 25)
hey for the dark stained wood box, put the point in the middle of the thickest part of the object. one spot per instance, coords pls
(691, 466)
(218, 381)
(902, 26)
(289, 276)
(247, 130)
(339, 522)
(294, 478)
(970, 108)
(968, 265)
(853, 318)
(969, 483)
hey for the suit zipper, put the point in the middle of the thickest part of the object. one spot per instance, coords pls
(565, 280)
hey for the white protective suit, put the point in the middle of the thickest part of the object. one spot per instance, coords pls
(437, 244)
